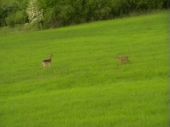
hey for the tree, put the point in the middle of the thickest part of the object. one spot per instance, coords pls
(35, 13)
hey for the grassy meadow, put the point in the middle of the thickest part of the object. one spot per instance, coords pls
(85, 87)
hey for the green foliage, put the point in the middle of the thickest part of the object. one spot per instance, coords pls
(59, 12)
(13, 12)
(54, 13)
(18, 17)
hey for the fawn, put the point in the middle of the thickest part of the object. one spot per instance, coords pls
(47, 62)
(123, 59)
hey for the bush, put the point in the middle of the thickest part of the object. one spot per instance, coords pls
(12, 13)
(18, 17)
(65, 12)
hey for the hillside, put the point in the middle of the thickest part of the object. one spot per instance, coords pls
(85, 87)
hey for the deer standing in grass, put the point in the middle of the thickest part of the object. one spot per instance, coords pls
(123, 59)
(47, 62)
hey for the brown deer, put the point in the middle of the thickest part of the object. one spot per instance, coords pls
(47, 62)
(122, 59)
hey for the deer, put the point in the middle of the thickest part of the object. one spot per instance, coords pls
(123, 59)
(47, 62)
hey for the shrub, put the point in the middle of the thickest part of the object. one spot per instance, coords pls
(12, 13)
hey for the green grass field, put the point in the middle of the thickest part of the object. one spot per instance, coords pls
(85, 87)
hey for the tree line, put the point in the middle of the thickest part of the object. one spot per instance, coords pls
(56, 13)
